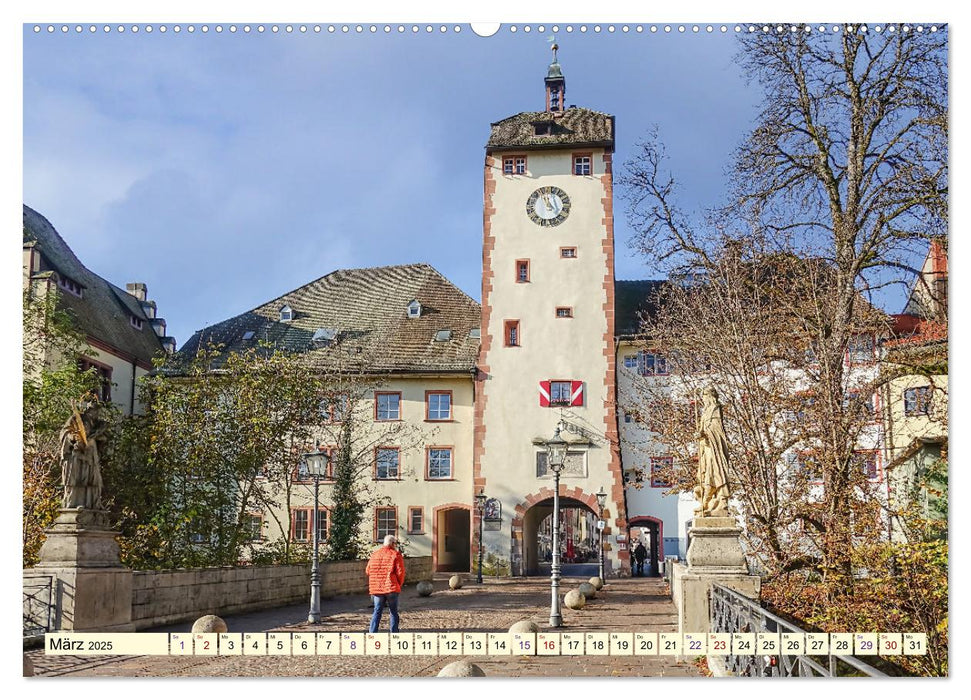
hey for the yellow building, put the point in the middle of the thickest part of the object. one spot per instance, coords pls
(915, 395)
(122, 329)
(416, 336)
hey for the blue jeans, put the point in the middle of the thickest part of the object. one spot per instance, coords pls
(380, 601)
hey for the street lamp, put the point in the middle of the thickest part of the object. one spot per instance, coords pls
(317, 468)
(601, 502)
(480, 501)
(555, 458)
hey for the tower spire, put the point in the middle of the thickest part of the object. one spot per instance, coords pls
(555, 83)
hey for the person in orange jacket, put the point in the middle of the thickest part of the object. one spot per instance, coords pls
(386, 572)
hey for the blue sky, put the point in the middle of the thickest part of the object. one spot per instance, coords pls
(225, 169)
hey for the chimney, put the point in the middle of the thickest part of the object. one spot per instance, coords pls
(139, 290)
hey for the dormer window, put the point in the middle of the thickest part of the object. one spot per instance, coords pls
(414, 309)
(323, 337)
(69, 285)
(286, 313)
(542, 129)
(136, 322)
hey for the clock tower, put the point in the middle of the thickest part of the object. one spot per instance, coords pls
(547, 354)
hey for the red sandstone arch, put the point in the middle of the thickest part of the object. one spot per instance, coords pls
(544, 494)
(451, 506)
(633, 522)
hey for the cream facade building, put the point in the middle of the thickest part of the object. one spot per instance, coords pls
(122, 328)
(412, 338)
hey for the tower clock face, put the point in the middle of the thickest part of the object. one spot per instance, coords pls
(548, 206)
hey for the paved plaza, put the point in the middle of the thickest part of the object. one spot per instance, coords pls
(627, 605)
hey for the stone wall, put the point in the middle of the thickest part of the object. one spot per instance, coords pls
(167, 597)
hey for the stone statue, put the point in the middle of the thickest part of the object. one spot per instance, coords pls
(712, 476)
(81, 439)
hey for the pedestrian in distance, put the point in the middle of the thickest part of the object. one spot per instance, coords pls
(386, 573)
(640, 554)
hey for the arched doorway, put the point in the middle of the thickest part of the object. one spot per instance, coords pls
(451, 538)
(650, 531)
(579, 544)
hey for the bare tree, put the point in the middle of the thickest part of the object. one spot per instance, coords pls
(846, 168)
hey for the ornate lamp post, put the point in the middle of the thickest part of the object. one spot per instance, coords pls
(555, 458)
(480, 501)
(601, 502)
(317, 468)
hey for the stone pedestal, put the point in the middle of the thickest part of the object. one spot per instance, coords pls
(93, 591)
(714, 556)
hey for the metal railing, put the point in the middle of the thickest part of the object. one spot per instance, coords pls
(732, 612)
(38, 605)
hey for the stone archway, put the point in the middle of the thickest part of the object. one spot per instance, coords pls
(452, 537)
(655, 547)
(528, 517)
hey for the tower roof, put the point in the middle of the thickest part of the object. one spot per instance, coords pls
(576, 126)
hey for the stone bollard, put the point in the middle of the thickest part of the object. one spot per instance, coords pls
(28, 666)
(574, 599)
(455, 582)
(425, 588)
(209, 623)
(597, 582)
(524, 627)
(461, 669)
(588, 590)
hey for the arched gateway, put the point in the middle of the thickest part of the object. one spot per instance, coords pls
(579, 544)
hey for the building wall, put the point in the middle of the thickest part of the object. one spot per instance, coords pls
(413, 434)
(578, 348)
(184, 595)
(638, 446)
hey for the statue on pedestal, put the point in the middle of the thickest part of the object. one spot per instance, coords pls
(712, 475)
(81, 440)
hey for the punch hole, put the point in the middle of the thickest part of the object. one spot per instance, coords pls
(527, 29)
(513, 29)
(485, 29)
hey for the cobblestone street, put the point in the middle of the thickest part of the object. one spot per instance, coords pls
(626, 605)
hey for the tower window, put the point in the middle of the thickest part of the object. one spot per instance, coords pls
(522, 271)
(514, 165)
(554, 100)
(564, 312)
(511, 335)
(582, 164)
(569, 252)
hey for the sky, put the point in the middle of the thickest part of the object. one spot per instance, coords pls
(225, 169)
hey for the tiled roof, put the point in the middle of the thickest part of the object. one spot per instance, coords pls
(104, 311)
(367, 308)
(634, 302)
(575, 126)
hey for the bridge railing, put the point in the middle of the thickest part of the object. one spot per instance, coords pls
(732, 612)
(38, 592)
